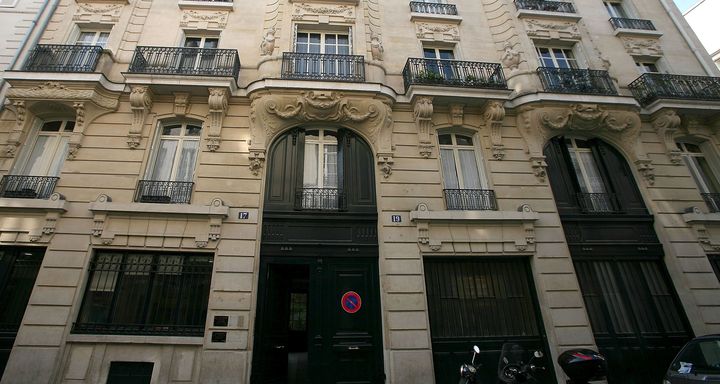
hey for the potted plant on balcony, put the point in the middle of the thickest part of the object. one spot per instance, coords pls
(429, 77)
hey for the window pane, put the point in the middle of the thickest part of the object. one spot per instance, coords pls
(103, 280)
(445, 139)
(51, 126)
(593, 173)
(36, 165)
(192, 42)
(59, 156)
(578, 171)
(86, 38)
(450, 177)
(469, 169)
(330, 176)
(429, 53)
(102, 39)
(705, 174)
(463, 140)
(310, 172)
(164, 161)
(188, 157)
(193, 130)
(172, 130)
(132, 290)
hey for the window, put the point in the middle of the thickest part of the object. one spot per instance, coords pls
(615, 9)
(87, 37)
(171, 169)
(646, 67)
(715, 263)
(130, 372)
(702, 172)
(320, 170)
(556, 57)
(196, 58)
(314, 43)
(146, 293)
(465, 185)
(47, 152)
(593, 195)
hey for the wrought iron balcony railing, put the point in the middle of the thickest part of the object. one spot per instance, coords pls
(622, 22)
(322, 199)
(598, 202)
(186, 61)
(433, 8)
(470, 199)
(165, 192)
(27, 187)
(653, 86)
(571, 80)
(63, 58)
(316, 66)
(545, 5)
(712, 200)
(453, 73)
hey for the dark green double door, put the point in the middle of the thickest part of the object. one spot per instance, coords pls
(304, 334)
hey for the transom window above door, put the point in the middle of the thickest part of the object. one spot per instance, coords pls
(89, 37)
(556, 57)
(336, 43)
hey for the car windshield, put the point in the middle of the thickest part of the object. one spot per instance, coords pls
(702, 356)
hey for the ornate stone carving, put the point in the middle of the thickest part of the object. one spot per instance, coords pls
(140, 104)
(97, 13)
(494, 116)
(53, 90)
(423, 112)
(78, 132)
(257, 159)
(642, 46)
(267, 46)
(437, 32)
(324, 13)
(666, 124)
(13, 140)
(556, 30)
(646, 170)
(539, 167)
(385, 161)
(511, 57)
(588, 117)
(182, 103)
(457, 114)
(217, 104)
(376, 47)
(199, 19)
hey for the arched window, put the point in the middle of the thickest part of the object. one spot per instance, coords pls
(702, 172)
(464, 181)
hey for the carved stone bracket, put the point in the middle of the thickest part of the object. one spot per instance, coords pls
(78, 132)
(494, 115)
(13, 140)
(423, 112)
(457, 114)
(181, 104)
(385, 161)
(140, 104)
(539, 167)
(698, 221)
(44, 233)
(218, 105)
(646, 170)
(257, 159)
(666, 123)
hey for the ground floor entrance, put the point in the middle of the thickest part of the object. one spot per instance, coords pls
(318, 321)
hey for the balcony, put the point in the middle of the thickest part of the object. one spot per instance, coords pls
(433, 8)
(186, 61)
(624, 23)
(320, 199)
(650, 87)
(317, 66)
(545, 6)
(63, 58)
(470, 199)
(712, 200)
(163, 192)
(571, 80)
(453, 73)
(603, 203)
(27, 187)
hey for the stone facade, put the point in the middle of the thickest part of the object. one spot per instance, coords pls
(117, 110)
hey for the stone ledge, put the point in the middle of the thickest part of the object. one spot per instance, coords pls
(529, 13)
(193, 4)
(432, 17)
(164, 209)
(637, 32)
(474, 216)
(56, 202)
(135, 339)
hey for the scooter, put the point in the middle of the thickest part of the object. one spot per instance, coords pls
(468, 371)
(512, 369)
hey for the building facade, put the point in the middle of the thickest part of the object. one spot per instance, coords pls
(380, 185)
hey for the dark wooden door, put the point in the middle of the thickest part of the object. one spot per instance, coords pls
(315, 339)
(18, 270)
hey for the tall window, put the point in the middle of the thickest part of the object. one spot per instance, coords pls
(320, 170)
(48, 149)
(556, 57)
(146, 293)
(329, 43)
(593, 194)
(703, 173)
(615, 9)
(465, 185)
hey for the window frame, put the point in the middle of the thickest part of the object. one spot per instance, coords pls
(58, 153)
(645, 66)
(157, 142)
(98, 32)
(616, 9)
(569, 56)
(340, 30)
(483, 179)
(321, 143)
(695, 171)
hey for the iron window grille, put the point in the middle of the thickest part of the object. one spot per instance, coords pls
(186, 61)
(712, 200)
(470, 199)
(571, 80)
(598, 202)
(63, 58)
(317, 66)
(433, 8)
(165, 192)
(27, 187)
(653, 86)
(321, 199)
(130, 372)
(19, 268)
(146, 294)
(622, 22)
(544, 5)
(453, 73)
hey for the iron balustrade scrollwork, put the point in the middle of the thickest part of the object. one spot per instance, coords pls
(317, 66)
(653, 86)
(453, 73)
(63, 58)
(433, 8)
(622, 22)
(598, 203)
(27, 187)
(572, 80)
(165, 192)
(545, 5)
(186, 61)
(470, 199)
(323, 199)
(712, 200)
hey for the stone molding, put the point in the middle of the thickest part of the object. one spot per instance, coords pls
(197, 19)
(53, 208)
(494, 115)
(324, 13)
(552, 30)
(423, 112)
(666, 124)
(515, 230)
(217, 108)
(89, 12)
(642, 47)
(437, 32)
(140, 105)
(698, 221)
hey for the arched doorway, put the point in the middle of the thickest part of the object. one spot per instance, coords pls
(636, 317)
(318, 318)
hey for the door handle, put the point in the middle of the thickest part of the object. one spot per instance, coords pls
(279, 346)
(353, 348)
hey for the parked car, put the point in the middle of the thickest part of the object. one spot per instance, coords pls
(697, 362)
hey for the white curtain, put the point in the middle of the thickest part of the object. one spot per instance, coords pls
(450, 177)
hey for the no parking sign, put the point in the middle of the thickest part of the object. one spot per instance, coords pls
(351, 302)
